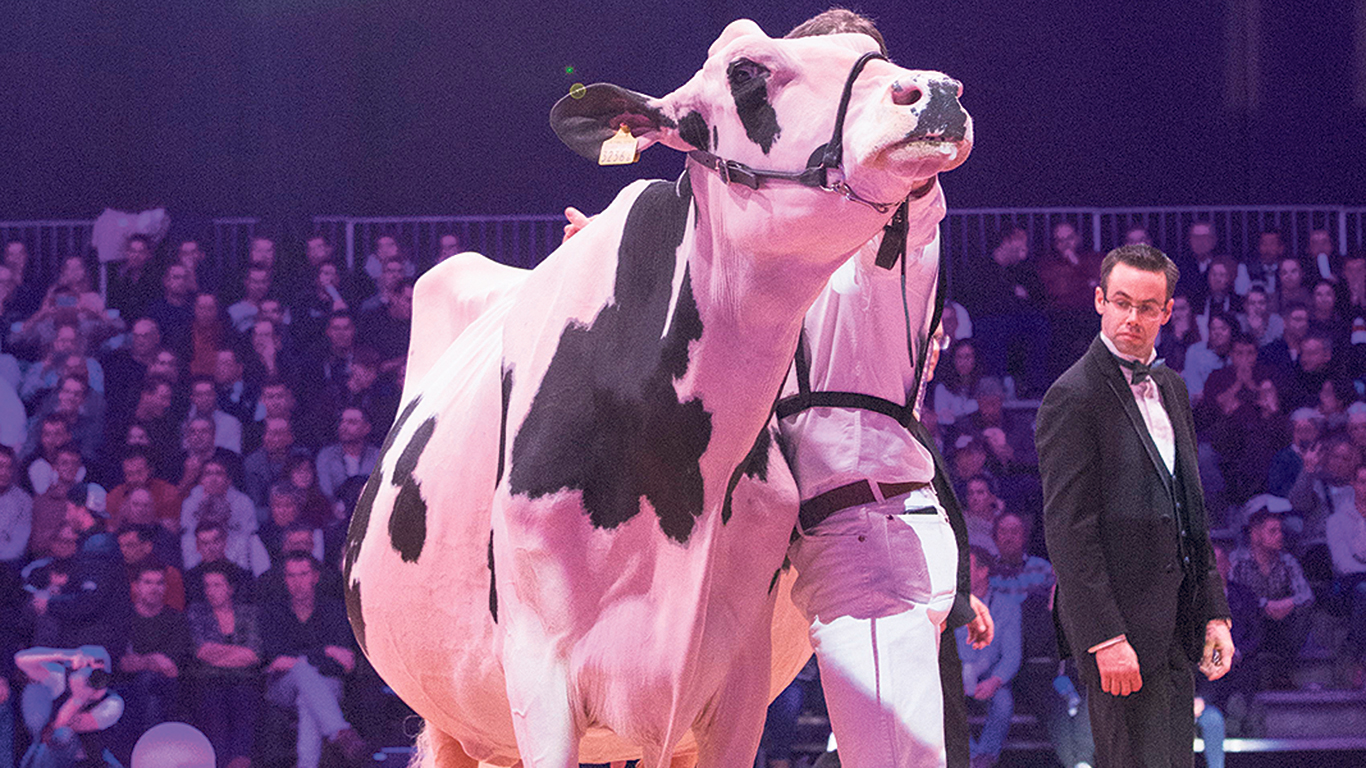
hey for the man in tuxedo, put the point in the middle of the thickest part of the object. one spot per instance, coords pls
(1138, 596)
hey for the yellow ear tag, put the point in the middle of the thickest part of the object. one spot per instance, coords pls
(620, 149)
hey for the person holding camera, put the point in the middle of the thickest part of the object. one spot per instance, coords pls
(67, 706)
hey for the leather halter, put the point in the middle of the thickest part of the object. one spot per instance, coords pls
(818, 176)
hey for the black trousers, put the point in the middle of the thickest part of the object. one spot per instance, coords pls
(1153, 728)
(955, 703)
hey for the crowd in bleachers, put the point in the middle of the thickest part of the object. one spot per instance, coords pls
(179, 459)
(1272, 347)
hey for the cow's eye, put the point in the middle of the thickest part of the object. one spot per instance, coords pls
(742, 71)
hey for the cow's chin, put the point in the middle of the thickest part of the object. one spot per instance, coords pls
(922, 158)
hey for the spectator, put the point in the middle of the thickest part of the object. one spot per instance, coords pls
(79, 407)
(1218, 294)
(980, 512)
(49, 507)
(1334, 397)
(1306, 424)
(323, 298)
(1356, 425)
(71, 301)
(1206, 357)
(1354, 302)
(298, 539)
(1324, 315)
(1137, 234)
(1290, 280)
(389, 330)
(1323, 487)
(173, 311)
(449, 245)
(332, 366)
(350, 456)
(286, 505)
(1178, 334)
(1314, 367)
(277, 402)
(1010, 440)
(227, 429)
(132, 284)
(197, 443)
(1347, 543)
(211, 542)
(1262, 268)
(1196, 262)
(139, 512)
(13, 415)
(309, 644)
(69, 733)
(25, 296)
(261, 253)
(16, 515)
(1247, 438)
(43, 376)
(127, 367)
(988, 673)
(208, 334)
(91, 606)
(370, 390)
(392, 274)
(266, 465)
(1257, 319)
(1274, 575)
(137, 542)
(317, 510)
(1283, 353)
(236, 396)
(387, 249)
(1322, 255)
(39, 459)
(163, 496)
(214, 499)
(1017, 575)
(154, 414)
(196, 263)
(267, 360)
(227, 643)
(255, 288)
(15, 631)
(953, 391)
(158, 649)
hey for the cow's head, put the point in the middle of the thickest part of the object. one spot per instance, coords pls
(771, 105)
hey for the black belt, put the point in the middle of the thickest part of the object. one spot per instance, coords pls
(817, 508)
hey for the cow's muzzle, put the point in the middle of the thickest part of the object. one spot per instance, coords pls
(939, 116)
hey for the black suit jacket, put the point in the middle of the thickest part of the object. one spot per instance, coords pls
(1112, 520)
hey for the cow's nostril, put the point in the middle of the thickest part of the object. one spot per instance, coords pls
(905, 96)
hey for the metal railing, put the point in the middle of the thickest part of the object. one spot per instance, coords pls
(969, 234)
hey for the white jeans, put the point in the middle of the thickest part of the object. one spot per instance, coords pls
(875, 581)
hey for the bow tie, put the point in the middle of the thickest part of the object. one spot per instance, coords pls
(1141, 371)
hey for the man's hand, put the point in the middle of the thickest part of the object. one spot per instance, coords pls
(1119, 675)
(4, 690)
(1218, 655)
(981, 629)
(987, 688)
(343, 656)
(163, 664)
(577, 221)
(282, 664)
(1279, 609)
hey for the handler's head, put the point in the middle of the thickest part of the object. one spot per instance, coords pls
(1134, 298)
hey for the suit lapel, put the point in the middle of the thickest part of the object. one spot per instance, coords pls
(1114, 378)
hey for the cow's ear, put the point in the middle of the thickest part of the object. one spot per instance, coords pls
(585, 119)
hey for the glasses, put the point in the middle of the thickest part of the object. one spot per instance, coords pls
(1148, 310)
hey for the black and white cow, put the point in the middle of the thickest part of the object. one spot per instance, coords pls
(558, 557)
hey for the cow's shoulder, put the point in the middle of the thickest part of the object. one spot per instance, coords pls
(448, 298)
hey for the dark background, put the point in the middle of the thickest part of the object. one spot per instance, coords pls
(289, 108)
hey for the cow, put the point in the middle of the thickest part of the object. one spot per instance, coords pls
(572, 544)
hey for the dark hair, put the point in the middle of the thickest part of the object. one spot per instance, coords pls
(1141, 257)
(150, 564)
(99, 679)
(210, 525)
(305, 557)
(996, 524)
(984, 556)
(951, 379)
(5, 450)
(1226, 318)
(988, 480)
(223, 568)
(835, 21)
(144, 531)
(69, 447)
(1292, 306)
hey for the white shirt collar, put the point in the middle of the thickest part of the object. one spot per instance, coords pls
(1110, 345)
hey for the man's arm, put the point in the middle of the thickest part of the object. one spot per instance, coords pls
(1070, 471)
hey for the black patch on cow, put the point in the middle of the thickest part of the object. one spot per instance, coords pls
(754, 466)
(787, 563)
(605, 419)
(749, 87)
(408, 523)
(353, 611)
(493, 583)
(943, 116)
(693, 129)
(715, 139)
(360, 522)
(503, 425)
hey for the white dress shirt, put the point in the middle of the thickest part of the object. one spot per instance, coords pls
(1149, 401)
(856, 338)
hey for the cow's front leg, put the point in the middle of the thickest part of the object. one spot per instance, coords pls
(543, 718)
(730, 737)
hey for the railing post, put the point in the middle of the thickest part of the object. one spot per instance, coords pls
(1342, 231)
(350, 245)
(1095, 229)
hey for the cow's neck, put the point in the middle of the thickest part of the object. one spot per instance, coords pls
(751, 306)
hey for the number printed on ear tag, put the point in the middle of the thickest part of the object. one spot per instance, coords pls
(620, 149)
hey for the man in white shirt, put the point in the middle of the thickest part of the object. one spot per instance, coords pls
(16, 511)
